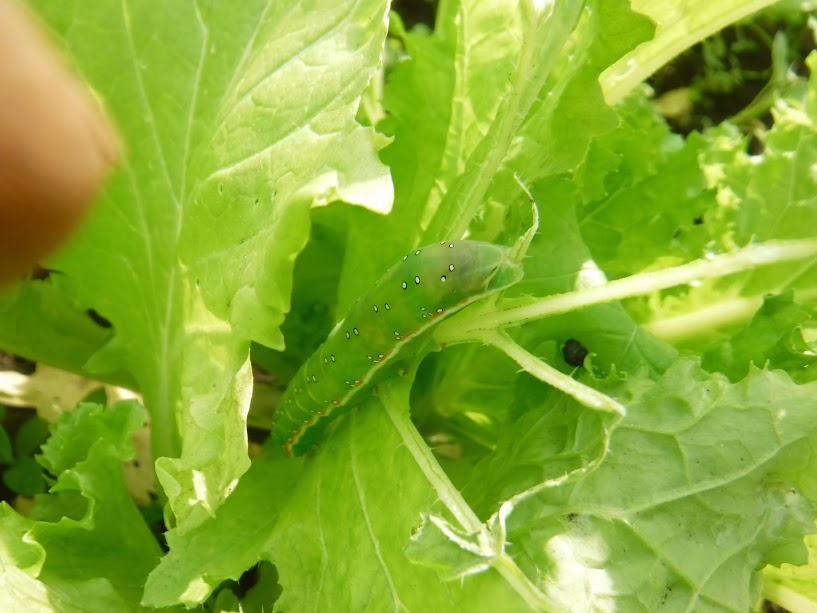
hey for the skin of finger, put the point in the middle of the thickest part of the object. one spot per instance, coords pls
(56, 145)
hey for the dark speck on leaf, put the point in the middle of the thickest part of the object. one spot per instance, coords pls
(98, 319)
(41, 274)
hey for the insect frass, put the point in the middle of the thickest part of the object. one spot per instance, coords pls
(426, 286)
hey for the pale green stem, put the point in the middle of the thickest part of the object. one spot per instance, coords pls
(521, 584)
(721, 315)
(704, 320)
(689, 22)
(395, 402)
(787, 597)
(585, 395)
(772, 252)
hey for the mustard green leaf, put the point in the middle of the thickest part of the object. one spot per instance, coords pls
(235, 123)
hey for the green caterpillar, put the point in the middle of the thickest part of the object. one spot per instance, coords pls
(428, 285)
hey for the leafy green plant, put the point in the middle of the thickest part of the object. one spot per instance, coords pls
(281, 156)
(22, 474)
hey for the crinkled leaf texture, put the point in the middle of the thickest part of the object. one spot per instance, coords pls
(704, 479)
(86, 546)
(757, 197)
(774, 337)
(335, 528)
(236, 122)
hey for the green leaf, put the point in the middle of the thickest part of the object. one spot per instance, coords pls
(343, 487)
(771, 195)
(793, 587)
(654, 214)
(773, 339)
(351, 483)
(702, 481)
(31, 434)
(86, 545)
(42, 321)
(661, 482)
(25, 477)
(559, 261)
(571, 110)
(233, 128)
(6, 451)
(776, 189)
(478, 75)
(190, 572)
(680, 25)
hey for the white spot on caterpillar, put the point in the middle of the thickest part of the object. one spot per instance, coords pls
(450, 245)
(386, 306)
(405, 285)
(442, 278)
(439, 310)
(314, 380)
(332, 357)
(417, 252)
(416, 280)
(451, 267)
(375, 308)
(347, 335)
(355, 331)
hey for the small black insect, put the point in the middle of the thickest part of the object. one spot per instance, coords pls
(574, 352)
